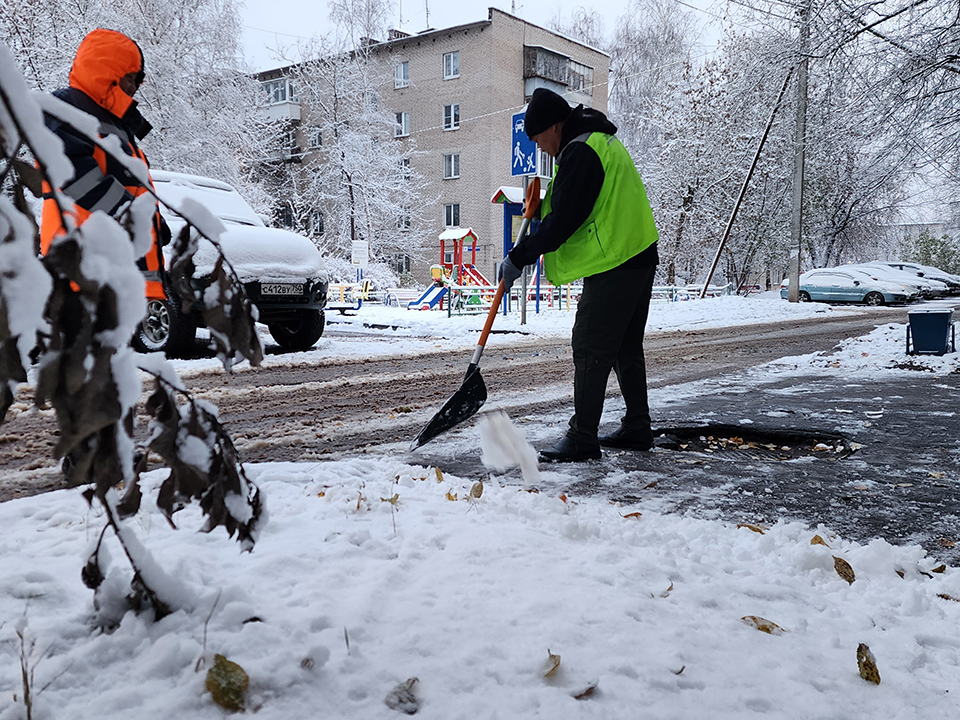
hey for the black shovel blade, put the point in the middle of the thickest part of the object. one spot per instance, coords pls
(462, 404)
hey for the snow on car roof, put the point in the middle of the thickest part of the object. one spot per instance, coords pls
(218, 197)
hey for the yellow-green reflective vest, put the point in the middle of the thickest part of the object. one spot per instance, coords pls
(620, 225)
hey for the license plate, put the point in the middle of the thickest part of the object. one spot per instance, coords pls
(282, 289)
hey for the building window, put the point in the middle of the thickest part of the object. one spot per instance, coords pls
(401, 77)
(451, 215)
(403, 219)
(279, 91)
(580, 78)
(403, 169)
(401, 263)
(316, 136)
(451, 65)
(316, 222)
(403, 125)
(546, 164)
(451, 166)
(451, 116)
(290, 141)
(286, 216)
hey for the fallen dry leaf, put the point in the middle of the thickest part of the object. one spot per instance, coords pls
(844, 569)
(553, 662)
(392, 500)
(945, 542)
(452, 496)
(439, 473)
(939, 569)
(563, 497)
(867, 664)
(944, 596)
(817, 540)
(227, 683)
(586, 692)
(402, 699)
(632, 515)
(477, 489)
(749, 526)
(763, 625)
(667, 592)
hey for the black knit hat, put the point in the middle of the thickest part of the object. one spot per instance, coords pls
(546, 108)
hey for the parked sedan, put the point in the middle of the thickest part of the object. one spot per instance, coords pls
(925, 271)
(833, 285)
(927, 288)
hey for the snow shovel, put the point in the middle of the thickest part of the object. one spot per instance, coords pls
(473, 393)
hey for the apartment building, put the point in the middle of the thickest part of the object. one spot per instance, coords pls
(454, 94)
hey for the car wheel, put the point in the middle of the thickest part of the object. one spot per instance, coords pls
(164, 329)
(873, 298)
(300, 333)
(803, 296)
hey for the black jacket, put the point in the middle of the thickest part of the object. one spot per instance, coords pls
(80, 150)
(576, 188)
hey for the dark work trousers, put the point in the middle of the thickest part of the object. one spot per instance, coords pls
(608, 334)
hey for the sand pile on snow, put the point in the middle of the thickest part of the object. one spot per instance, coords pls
(504, 446)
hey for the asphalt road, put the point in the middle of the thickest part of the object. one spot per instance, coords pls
(900, 483)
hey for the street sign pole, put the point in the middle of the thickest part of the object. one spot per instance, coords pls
(523, 163)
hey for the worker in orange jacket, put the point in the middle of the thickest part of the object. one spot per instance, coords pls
(107, 71)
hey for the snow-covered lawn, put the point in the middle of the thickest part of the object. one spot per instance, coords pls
(371, 571)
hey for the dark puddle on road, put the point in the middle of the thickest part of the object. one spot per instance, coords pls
(774, 444)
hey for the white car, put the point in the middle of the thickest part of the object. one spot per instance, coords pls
(925, 271)
(282, 272)
(927, 288)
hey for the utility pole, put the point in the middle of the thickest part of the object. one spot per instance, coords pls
(799, 144)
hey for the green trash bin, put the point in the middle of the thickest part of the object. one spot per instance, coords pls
(930, 331)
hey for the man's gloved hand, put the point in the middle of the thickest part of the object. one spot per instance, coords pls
(508, 272)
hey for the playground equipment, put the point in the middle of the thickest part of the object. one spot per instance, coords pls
(347, 296)
(456, 282)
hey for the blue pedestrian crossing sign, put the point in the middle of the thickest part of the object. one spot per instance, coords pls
(523, 149)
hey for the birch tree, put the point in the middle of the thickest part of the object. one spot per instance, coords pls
(198, 96)
(359, 174)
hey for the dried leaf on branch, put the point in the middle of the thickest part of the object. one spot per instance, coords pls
(204, 465)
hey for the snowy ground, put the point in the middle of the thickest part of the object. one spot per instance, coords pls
(371, 571)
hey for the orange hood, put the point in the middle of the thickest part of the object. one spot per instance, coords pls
(105, 56)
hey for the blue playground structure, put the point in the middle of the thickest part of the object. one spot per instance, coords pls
(429, 300)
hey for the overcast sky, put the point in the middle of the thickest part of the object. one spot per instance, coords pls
(268, 24)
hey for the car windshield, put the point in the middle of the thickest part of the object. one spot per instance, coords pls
(219, 198)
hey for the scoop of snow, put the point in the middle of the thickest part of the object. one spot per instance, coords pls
(504, 446)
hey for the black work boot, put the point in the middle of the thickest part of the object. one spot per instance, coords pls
(626, 440)
(568, 450)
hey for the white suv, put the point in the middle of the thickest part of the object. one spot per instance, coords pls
(282, 272)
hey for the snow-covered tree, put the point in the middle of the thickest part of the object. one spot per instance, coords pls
(199, 97)
(358, 181)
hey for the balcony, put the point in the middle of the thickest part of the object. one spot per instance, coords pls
(555, 71)
(286, 110)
